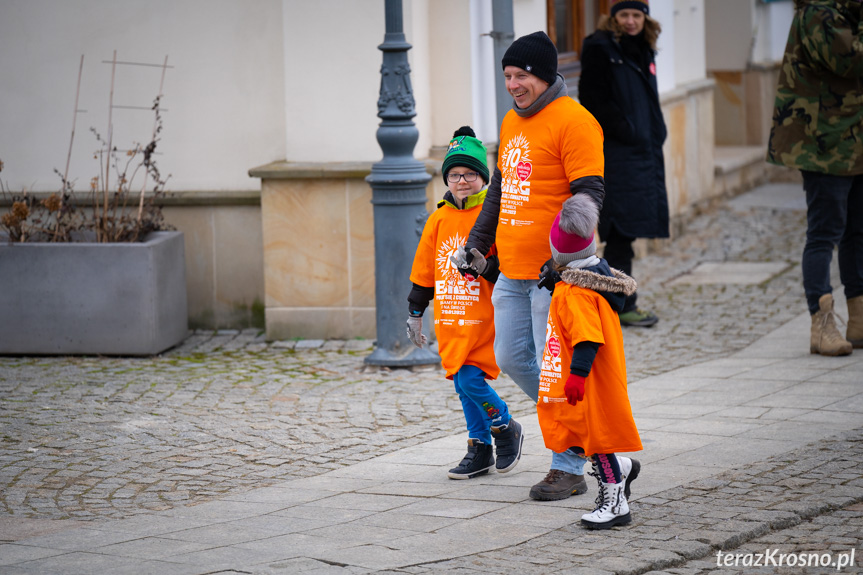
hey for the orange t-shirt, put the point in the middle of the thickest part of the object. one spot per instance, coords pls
(539, 156)
(463, 314)
(602, 422)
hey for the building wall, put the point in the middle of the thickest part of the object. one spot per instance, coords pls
(773, 21)
(745, 43)
(295, 82)
(223, 105)
(223, 112)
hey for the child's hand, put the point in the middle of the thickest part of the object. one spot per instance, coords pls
(574, 389)
(470, 264)
(415, 330)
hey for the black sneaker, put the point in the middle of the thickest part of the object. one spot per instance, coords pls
(508, 440)
(477, 461)
(558, 485)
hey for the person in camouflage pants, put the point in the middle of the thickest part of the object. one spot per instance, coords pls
(818, 129)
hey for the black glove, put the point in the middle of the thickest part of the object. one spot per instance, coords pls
(547, 276)
(492, 269)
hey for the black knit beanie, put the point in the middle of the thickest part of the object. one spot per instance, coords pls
(536, 54)
(618, 5)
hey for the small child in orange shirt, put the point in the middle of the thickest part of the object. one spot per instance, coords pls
(583, 402)
(464, 316)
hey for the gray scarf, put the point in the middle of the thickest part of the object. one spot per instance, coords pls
(585, 263)
(555, 91)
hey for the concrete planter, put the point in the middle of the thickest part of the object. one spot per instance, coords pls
(88, 299)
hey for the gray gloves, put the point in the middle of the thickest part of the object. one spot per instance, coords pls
(470, 265)
(415, 330)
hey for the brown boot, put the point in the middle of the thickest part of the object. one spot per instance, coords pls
(854, 334)
(558, 485)
(826, 339)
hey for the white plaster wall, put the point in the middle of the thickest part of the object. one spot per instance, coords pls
(482, 75)
(663, 11)
(332, 78)
(451, 79)
(224, 103)
(689, 52)
(730, 25)
(421, 58)
(773, 21)
(528, 16)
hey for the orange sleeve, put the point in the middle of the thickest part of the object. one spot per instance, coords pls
(423, 269)
(583, 325)
(581, 148)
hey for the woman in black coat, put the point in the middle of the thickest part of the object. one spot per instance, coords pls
(618, 86)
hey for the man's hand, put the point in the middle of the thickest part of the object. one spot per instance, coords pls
(470, 264)
(547, 276)
(415, 330)
(574, 389)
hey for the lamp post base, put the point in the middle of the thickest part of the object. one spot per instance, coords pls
(416, 356)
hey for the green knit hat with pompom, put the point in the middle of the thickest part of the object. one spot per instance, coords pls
(465, 150)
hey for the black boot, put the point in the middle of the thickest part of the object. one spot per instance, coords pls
(477, 461)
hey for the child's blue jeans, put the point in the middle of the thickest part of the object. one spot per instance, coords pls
(481, 404)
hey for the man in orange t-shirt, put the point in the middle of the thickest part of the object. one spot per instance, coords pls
(463, 314)
(550, 150)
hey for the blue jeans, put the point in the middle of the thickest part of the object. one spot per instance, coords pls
(481, 404)
(834, 217)
(520, 321)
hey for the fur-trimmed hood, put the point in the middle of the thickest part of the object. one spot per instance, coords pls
(612, 284)
(618, 283)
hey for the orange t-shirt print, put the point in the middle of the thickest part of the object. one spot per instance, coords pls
(538, 158)
(463, 313)
(602, 422)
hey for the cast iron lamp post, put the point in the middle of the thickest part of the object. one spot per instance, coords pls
(398, 194)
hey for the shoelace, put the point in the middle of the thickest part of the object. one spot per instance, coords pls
(831, 316)
(600, 501)
(600, 498)
(552, 475)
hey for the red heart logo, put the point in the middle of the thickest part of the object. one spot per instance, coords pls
(554, 346)
(523, 169)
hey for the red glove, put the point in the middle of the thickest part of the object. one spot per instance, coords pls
(574, 389)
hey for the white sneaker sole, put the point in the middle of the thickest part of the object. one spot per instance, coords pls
(452, 475)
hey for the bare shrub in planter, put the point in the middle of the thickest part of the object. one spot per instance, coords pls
(118, 207)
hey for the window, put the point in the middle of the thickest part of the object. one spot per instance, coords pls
(569, 22)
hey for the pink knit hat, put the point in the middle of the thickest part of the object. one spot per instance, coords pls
(572, 236)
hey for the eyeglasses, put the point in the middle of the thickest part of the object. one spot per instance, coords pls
(468, 177)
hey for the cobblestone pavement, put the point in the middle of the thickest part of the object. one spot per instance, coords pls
(804, 502)
(90, 437)
(93, 438)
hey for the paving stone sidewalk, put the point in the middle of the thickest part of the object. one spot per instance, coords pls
(805, 501)
(88, 440)
(84, 438)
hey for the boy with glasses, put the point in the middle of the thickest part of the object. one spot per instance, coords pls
(463, 314)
